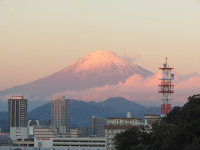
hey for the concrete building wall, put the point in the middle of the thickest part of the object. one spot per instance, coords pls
(17, 111)
(118, 125)
(45, 132)
(76, 132)
(43, 142)
(151, 119)
(60, 114)
(75, 143)
(97, 127)
(17, 133)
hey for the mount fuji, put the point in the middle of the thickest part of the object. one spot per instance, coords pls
(94, 70)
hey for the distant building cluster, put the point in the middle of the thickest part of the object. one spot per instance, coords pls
(57, 132)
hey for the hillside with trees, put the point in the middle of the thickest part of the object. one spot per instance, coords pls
(179, 130)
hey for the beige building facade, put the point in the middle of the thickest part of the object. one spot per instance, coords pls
(118, 125)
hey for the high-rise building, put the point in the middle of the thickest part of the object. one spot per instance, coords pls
(97, 127)
(17, 117)
(17, 111)
(60, 114)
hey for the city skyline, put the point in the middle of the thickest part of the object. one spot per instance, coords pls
(99, 74)
(39, 43)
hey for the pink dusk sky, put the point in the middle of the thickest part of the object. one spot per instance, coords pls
(38, 38)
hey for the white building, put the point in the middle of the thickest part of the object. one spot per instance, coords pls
(118, 125)
(71, 143)
(150, 120)
(17, 133)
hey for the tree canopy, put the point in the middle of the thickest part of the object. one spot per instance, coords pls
(179, 130)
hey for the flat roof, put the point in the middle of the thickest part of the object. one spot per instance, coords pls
(125, 118)
(151, 115)
(17, 97)
(122, 127)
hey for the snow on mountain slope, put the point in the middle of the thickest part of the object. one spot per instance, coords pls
(103, 63)
(94, 70)
(100, 61)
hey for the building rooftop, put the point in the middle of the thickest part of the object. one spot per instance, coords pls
(5, 141)
(151, 115)
(121, 127)
(125, 118)
(17, 97)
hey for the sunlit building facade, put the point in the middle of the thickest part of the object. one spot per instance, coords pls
(17, 111)
(118, 125)
(60, 114)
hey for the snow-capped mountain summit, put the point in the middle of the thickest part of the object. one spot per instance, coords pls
(98, 61)
(103, 63)
(94, 70)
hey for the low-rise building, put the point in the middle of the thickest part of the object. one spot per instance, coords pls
(18, 133)
(44, 132)
(118, 125)
(78, 132)
(26, 143)
(151, 119)
(79, 143)
(5, 141)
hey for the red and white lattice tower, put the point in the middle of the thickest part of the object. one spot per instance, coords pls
(166, 88)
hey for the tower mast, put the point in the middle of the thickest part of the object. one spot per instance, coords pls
(166, 88)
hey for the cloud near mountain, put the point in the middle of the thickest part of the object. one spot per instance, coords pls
(137, 88)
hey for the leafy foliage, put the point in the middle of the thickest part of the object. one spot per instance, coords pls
(131, 139)
(179, 130)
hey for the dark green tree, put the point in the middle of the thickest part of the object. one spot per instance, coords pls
(179, 130)
(132, 139)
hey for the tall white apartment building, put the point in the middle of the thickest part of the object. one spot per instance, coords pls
(60, 114)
